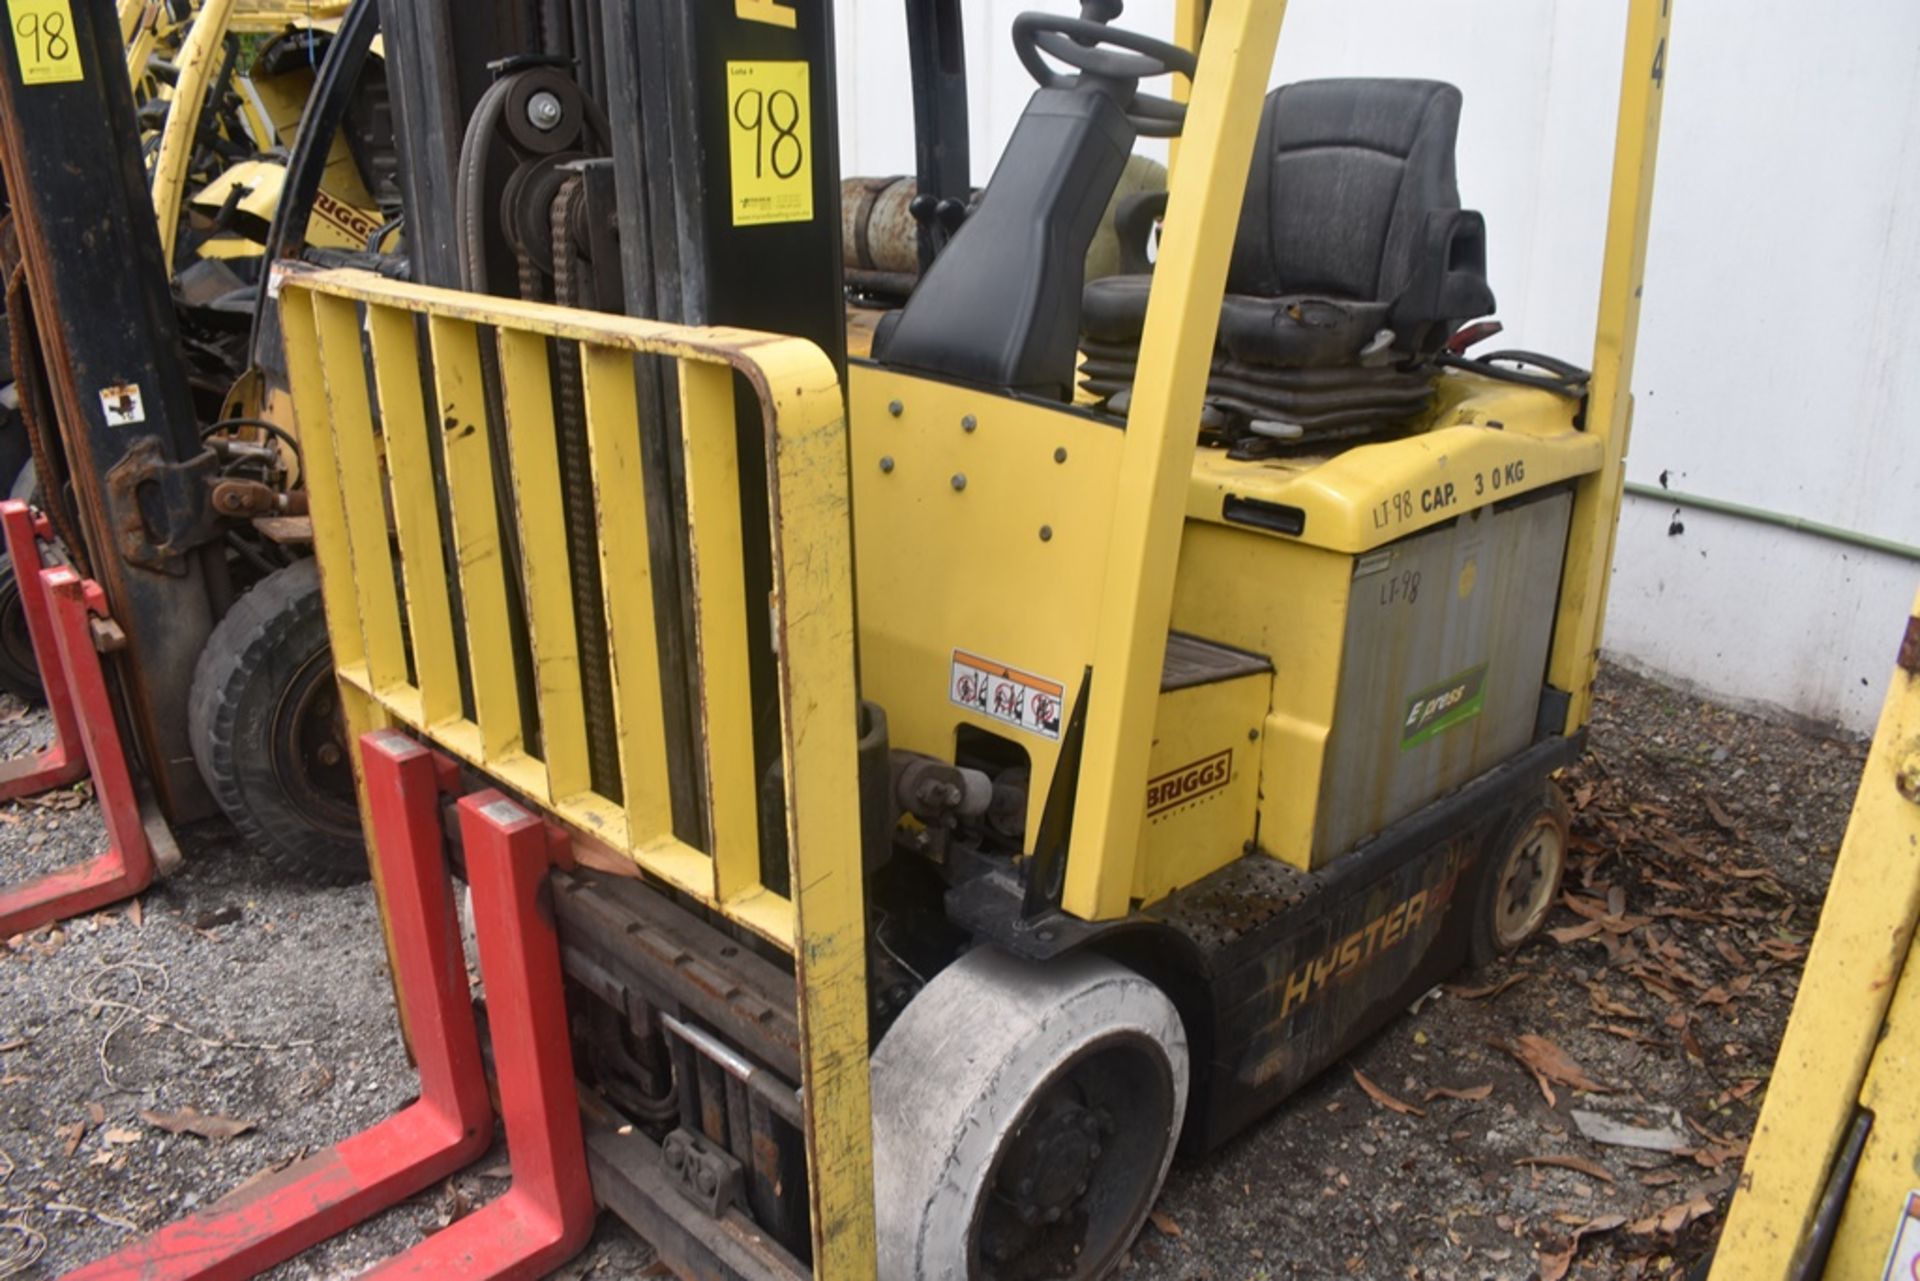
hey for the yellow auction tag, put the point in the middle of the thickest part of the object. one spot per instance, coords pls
(44, 39)
(770, 131)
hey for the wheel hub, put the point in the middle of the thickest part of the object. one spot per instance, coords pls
(1050, 1163)
(1527, 880)
(309, 746)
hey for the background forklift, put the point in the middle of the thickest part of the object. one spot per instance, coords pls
(151, 165)
(1192, 713)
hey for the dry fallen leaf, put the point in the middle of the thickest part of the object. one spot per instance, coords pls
(1550, 1066)
(188, 1121)
(1554, 1264)
(1164, 1224)
(1721, 819)
(1471, 1094)
(1604, 1003)
(70, 1136)
(1384, 1099)
(118, 1134)
(1483, 993)
(1576, 933)
(1673, 1218)
(1578, 1164)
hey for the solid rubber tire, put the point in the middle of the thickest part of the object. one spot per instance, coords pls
(953, 1075)
(263, 642)
(1484, 947)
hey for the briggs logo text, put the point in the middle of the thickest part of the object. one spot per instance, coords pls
(1189, 782)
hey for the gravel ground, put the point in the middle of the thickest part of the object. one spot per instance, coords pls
(1703, 841)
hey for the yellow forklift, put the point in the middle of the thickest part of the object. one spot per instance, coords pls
(974, 770)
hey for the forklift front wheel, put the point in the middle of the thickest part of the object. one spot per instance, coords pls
(1526, 862)
(1024, 1118)
(264, 721)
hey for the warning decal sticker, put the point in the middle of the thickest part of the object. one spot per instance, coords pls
(1006, 694)
(1903, 1264)
(769, 131)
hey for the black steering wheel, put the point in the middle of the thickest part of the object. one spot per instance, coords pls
(1100, 52)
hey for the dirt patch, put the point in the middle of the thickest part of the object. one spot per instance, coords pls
(1704, 840)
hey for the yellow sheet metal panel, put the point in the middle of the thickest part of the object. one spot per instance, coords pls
(546, 572)
(1298, 616)
(393, 341)
(357, 459)
(1369, 495)
(725, 719)
(814, 626)
(332, 554)
(1861, 948)
(1009, 523)
(460, 391)
(258, 181)
(1136, 596)
(626, 578)
(1596, 509)
(1203, 783)
(1887, 1179)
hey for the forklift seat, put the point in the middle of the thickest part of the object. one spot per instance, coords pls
(1351, 231)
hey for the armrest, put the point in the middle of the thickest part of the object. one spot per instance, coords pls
(1449, 280)
(1133, 223)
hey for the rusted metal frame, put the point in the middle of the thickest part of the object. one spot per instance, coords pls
(630, 1179)
(780, 1096)
(105, 316)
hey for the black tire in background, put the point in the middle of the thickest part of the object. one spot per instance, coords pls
(19, 669)
(263, 718)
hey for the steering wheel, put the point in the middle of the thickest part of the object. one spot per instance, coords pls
(1100, 52)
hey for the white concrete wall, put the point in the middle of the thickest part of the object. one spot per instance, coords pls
(1780, 339)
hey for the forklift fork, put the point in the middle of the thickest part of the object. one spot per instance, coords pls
(548, 1213)
(60, 607)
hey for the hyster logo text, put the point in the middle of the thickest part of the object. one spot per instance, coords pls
(1189, 782)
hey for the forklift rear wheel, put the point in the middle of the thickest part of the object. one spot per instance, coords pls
(1523, 877)
(1024, 1118)
(264, 721)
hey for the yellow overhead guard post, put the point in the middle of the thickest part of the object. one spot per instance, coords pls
(1831, 1181)
(1596, 504)
(1183, 317)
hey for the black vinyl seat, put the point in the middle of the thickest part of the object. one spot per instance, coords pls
(1352, 266)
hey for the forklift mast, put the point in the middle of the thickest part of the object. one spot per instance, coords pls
(117, 387)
